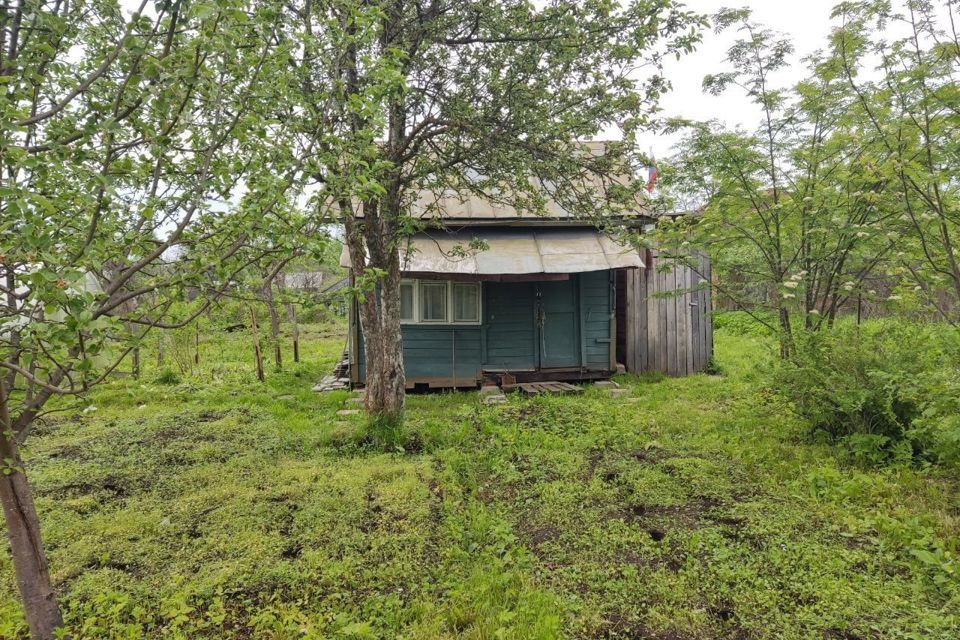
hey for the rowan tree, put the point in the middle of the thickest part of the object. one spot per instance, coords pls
(911, 109)
(796, 212)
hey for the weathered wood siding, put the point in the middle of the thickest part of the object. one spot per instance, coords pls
(669, 333)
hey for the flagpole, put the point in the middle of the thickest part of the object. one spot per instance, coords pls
(651, 171)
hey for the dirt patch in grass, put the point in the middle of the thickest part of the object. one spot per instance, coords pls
(618, 626)
(839, 634)
(67, 452)
(184, 426)
(373, 512)
(539, 536)
(688, 515)
(115, 564)
(107, 489)
(651, 455)
(672, 560)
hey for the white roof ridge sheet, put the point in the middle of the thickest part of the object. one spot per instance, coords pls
(514, 251)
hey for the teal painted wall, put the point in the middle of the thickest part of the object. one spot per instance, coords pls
(510, 332)
(438, 352)
(595, 309)
(508, 336)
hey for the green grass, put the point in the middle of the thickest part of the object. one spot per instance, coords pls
(220, 507)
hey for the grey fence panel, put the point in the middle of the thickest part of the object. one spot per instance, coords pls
(669, 325)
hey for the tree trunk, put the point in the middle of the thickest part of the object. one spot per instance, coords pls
(257, 355)
(383, 348)
(13, 335)
(266, 294)
(23, 532)
(786, 334)
(275, 332)
(292, 317)
(379, 314)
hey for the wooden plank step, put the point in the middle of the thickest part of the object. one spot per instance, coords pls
(554, 387)
(529, 388)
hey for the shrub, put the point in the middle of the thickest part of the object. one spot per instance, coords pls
(878, 389)
(741, 323)
(937, 427)
(168, 377)
(713, 367)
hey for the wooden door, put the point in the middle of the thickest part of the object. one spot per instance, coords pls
(558, 323)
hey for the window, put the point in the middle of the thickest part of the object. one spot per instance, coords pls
(438, 302)
(466, 302)
(433, 301)
(408, 306)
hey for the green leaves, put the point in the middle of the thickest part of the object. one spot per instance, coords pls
(109, 209)
(834, 187)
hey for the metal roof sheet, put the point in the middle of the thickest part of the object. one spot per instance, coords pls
(514, 251)
(465, 206)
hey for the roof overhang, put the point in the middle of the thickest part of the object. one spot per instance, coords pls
(515, 251)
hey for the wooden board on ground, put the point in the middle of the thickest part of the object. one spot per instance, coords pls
(558, 388)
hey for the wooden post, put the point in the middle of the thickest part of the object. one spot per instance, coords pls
(266, 292)
(292, 316)
(258, 356)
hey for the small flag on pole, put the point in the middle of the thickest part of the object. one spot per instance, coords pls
(652, 176)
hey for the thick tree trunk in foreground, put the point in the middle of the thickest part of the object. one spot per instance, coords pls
(383, 348)
(379, 313)
(23, 531)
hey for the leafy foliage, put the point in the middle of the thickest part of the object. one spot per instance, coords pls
(845, 192)
(878, 388)
(738, 323)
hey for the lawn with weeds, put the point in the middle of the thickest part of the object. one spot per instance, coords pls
(208, 505)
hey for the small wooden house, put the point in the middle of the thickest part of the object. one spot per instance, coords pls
(549, 298)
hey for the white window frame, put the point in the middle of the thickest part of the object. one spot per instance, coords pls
(418, 312)
(416, 300)
(446, 300)
(453, 302)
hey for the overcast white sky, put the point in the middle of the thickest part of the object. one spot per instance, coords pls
(807, 23)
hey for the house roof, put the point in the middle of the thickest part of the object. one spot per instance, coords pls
(469, 208)
(472, 208)
(342, 283)
(515, 251)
